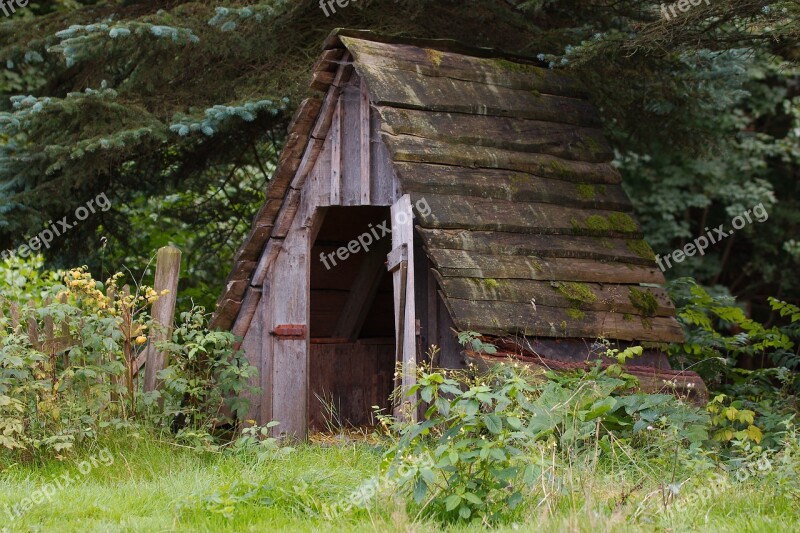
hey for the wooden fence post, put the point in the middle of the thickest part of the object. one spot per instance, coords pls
(168, 267)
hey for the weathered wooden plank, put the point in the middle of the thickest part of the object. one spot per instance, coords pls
(410, 90)
(510, 133)
(365, 149)
(289, 297)
(509, 185)
(254, 244)
(583, 296)
(405, 148)
(287, 214)
(236, 289)
(405, 306)
(384, 185)
(336, 155)
(225, 314)
(489, 214)
(321, 80)
(168, 268)
(329, 60)
(351, 143)
(250, 305)
(266, 260)
(307, 163)
(634, 251)
(435, 60)
(508, 318)
(252, 346)
(458, 263)
(267, 366)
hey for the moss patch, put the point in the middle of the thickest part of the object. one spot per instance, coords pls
(576, 314)
(627, 316)
(642, 249)
(491, 283)
(585, 191)
(577, 293)
(622, 222)
(434, 56)
(644, 301)
(597, 223)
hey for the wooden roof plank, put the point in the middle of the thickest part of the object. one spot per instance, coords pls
(449, 58)
(634, 251)
(580, 296)
(407, 148)
(458, 263)
(406, 89)
(504, 318)
(509, 185)
(490, 214)
(510, 133)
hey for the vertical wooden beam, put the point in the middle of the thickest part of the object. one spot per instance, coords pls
(267, 354)
(365, 145)
(405, 306)
(168, 268)
(336, 155)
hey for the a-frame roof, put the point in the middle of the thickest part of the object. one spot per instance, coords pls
(529, 229)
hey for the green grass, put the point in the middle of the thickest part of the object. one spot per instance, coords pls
(155, 486)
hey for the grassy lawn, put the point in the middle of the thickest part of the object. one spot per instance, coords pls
(153, 486)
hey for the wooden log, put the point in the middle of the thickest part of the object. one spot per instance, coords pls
(515, 318)
(168, 267)
(583, 296)
(448, 59)
(458, 263)
(490, 214)
(567, 246)
(510, 133)
(404, 89)
(405, 148)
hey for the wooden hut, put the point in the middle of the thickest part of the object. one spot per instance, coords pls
(434, 188)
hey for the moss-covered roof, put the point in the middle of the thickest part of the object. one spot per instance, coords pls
(529, 229)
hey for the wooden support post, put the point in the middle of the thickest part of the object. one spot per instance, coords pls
(168, 267)
(365, 144)
(401, 263)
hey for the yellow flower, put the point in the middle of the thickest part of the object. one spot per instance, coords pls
(141, 339)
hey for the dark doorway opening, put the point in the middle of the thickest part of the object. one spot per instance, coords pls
(352, 351)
